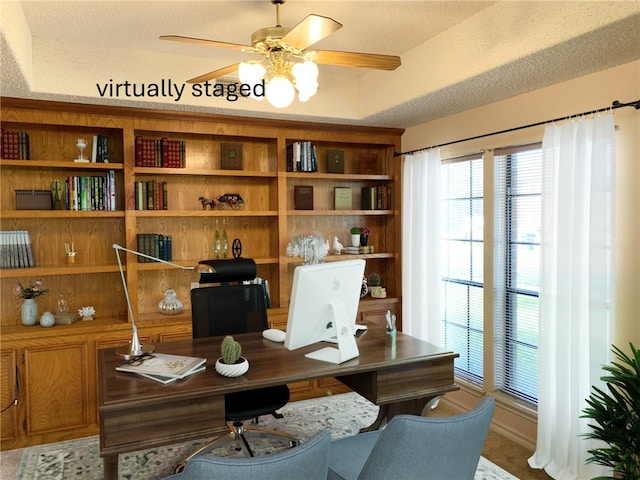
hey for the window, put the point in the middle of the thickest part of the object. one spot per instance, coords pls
(513, 289)
(518, 174)
(462, 265)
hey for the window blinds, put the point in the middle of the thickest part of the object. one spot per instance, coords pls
(517, 207)
(462, 263)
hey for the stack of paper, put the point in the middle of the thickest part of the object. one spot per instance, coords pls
(163, 367)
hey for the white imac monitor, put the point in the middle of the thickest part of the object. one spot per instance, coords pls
(324, 304)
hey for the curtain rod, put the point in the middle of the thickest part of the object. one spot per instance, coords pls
(614, 105)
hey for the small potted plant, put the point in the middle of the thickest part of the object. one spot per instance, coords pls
(29, 307)
(364, 236)
(232, 363)
(355, 237)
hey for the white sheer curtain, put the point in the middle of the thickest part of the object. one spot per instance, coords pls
(421, 245)
(576, 288)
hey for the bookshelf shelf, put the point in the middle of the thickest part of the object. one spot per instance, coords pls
(228, 212)
(60, 164)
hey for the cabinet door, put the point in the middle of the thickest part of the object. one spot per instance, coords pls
(8, 392)
(56, 387)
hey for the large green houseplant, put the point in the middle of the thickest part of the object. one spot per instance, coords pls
(616, 416)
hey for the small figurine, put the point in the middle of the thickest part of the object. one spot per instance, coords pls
(207, 202)
(337, 246)
(87, 313)
(230, 200)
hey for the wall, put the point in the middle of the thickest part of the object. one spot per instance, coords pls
(583, 94)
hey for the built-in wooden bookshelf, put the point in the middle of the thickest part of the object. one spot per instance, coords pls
(265, 226)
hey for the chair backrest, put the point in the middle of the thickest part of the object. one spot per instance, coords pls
(308, 460)
(438, 448)
(228, 310)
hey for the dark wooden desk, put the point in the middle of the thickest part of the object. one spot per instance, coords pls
(137, 413)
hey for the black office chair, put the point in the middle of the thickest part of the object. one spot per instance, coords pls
(231, 309)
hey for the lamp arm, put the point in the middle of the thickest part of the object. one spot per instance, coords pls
(140, 254)
(124, 284)
(136, 348)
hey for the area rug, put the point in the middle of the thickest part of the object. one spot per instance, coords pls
(79, 459)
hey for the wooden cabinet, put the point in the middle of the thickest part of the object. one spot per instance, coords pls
(9, 390)
(265, 225)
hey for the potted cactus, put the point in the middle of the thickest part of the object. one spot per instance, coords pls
(231, 363)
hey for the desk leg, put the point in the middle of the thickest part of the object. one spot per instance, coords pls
(389, 410)
(110, 464)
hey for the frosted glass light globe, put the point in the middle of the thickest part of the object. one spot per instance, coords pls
(250, 72)
(305, 72)
(280, 92)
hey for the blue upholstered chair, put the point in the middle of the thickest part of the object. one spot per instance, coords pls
(308, 461)
(413, 447)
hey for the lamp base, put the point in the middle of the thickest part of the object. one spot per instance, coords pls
(127, 354)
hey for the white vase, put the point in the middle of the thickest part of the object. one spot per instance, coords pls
(233, 369)
(355, 239)
(47, 320)
(29, 312)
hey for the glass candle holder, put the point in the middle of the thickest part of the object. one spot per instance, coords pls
(170, 304)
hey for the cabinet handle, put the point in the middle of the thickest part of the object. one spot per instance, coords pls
(16, 394)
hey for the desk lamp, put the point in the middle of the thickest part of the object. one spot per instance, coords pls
(136, 348)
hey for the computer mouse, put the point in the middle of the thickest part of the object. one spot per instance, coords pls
(274, 335)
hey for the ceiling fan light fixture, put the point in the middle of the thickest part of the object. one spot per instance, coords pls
(306, 90)
(288, 64)
(305, 72)
(251, 72)
(280, 92)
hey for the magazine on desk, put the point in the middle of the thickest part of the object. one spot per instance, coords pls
(163, 367)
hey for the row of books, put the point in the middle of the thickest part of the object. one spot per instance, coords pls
(159, 152)
(100, 149)
(302, 157)
(95, 192)
(151, 195)
(15, 249)
(376, 198)
(14, 145)
(155, 245)
(163, 367)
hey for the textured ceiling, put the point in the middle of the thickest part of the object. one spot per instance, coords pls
(456, 55)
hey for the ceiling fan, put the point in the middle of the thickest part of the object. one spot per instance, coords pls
(286, 55)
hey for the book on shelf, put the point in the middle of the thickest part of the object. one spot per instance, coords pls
(15, 249)
(155, 245)
(164, 366)
(368, 163)
(302, 157)
(342, 198)
(14, 145)
(159, 152)
(335, 161)
(303, 197)
(95, 192)
(376, 198)
(150, 195)
(231, 156)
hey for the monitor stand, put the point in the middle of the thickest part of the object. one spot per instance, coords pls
(347, 348)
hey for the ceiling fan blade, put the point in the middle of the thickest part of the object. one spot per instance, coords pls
(215, 74)
(211, 43)
(310, 30)
(353, 59)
